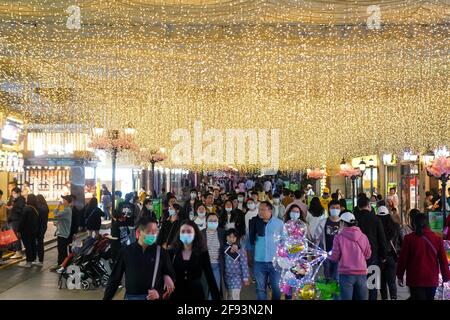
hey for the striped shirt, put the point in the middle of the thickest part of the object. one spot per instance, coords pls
(212, 240)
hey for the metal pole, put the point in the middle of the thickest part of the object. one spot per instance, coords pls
(152, 179)
(353, 190)
(371, 180)
(113, 184)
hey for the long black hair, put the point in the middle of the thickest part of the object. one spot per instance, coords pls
(198, 245)
(315, 207)
(419, 222)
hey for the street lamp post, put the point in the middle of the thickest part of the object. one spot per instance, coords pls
(362, 168)
(342, 166)
(114, 136)
(371, 166)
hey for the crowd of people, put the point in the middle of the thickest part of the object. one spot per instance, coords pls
(215, 242)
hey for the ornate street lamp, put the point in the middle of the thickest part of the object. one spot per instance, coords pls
(362, 167)
(114, 142)
(153, 157)
(352, 173)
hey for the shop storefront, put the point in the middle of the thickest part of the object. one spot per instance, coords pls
(11, 157)
(58, 161)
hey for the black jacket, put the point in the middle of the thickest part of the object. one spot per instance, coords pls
(138, 266)
(237, 216)
(16, 210)
(94, 219)
(371, 226)
(392, 234)
(43, 219)
(188, 276)
(168, 232)
(29, 222)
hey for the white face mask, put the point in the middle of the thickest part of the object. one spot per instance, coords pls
(294, 215)
(276, 200)
(228, 209)
(251, 206)
(335, 212)
(241, 199)
(193, 196)
(201, 214)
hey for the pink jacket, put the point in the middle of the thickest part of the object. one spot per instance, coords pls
(351, 249)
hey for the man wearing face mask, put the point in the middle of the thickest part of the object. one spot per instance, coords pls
(208, 200)
(189, 206)
(148, 270)
(325, 233)
(232, 218)
(278, 208)
(240, 201)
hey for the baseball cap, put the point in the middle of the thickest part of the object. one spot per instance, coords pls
(348, 217)
(383, 211)
(68, 198)
(326, 190)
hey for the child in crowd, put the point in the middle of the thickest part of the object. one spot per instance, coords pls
(236, 268)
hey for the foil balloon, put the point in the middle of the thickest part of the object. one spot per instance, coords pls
(294, 229)
(307, 292)
(300, 269)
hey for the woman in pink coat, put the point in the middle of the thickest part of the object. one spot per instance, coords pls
(351, 249)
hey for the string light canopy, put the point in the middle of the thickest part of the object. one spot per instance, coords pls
(338, 78)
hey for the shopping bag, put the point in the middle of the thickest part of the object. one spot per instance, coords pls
(7, 237)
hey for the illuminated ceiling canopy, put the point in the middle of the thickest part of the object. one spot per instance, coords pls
(335, 87)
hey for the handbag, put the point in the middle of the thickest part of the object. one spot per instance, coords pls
(7, 237)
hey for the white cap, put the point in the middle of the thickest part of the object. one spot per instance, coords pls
(382, 211)
(309, 186)
(348, 217)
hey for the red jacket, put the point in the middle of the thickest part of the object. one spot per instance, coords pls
(421, 262)
(447, 224)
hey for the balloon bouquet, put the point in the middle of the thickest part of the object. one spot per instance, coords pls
(299, 260)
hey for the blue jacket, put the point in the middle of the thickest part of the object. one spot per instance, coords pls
(262, 237)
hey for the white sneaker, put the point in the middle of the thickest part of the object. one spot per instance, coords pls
(25, 265)
(37, 264)
(17, 255)
(60, 270)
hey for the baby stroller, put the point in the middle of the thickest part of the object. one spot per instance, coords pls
(88, 266)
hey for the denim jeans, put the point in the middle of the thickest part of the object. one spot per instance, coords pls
(216, 271)
(135, 296)
(353, 286)
(265, 272)
(330, 270)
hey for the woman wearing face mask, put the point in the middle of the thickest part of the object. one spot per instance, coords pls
(189, 206)
(293, 213)
(278, 208)
(169, 227)
(200, 218)
(232, 218)
(214, 238)
(252, 211)
(190, 259)
(147, 209)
